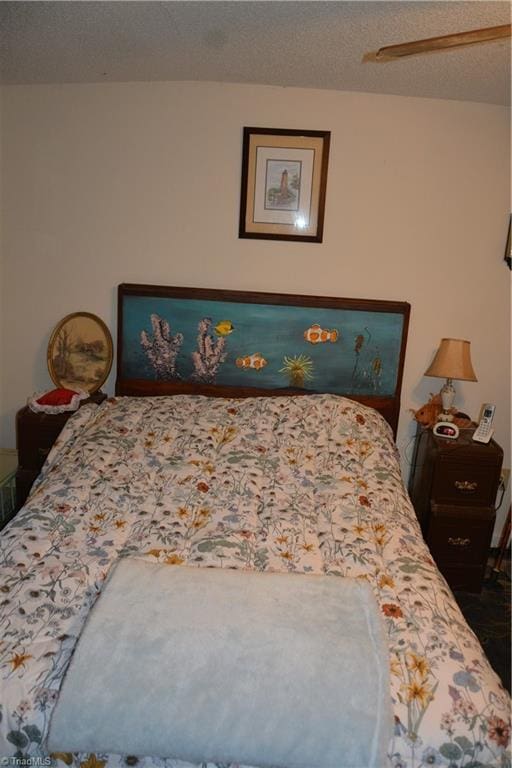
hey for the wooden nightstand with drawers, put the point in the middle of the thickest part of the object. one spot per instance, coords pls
(453, 488)
(8, 462)
(35, 436)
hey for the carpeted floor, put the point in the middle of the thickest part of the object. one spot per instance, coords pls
(488, 615)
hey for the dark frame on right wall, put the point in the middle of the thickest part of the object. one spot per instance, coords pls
(508, 246)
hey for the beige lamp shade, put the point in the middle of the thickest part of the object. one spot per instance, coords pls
(452, 361)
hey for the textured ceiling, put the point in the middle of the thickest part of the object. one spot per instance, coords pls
(306, 44)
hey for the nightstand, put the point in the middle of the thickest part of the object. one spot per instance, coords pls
(35, 435)
(453, 488)
(8, 462)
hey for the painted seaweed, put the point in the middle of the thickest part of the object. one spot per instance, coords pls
(162, 348)
(209, 355)
(367, 370)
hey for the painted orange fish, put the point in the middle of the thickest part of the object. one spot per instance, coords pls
(256, 361)
(317, 335)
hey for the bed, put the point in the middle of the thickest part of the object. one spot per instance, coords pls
(209, 457)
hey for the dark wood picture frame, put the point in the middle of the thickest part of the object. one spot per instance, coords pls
(80, 352)
(133, 380)
(508, 246)
(284, 182)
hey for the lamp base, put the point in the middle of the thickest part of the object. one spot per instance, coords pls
(447, 396)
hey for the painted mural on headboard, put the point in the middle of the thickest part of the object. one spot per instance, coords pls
(232, 343)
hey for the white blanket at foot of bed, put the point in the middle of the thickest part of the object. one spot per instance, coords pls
(212, 665)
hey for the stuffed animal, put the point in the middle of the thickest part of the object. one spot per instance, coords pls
(430, 413)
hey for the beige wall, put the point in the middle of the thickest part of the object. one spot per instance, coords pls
(140, 182)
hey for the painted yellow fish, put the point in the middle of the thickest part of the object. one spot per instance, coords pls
(256, 361)
(317, 335)
(224, 328)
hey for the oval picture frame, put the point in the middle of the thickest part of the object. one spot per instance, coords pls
(80, 352)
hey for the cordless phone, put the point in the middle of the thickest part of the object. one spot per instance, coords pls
(484, 431)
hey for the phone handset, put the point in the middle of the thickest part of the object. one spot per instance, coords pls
(484, 431)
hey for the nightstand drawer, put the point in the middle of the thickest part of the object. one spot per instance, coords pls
(473, 484)
(467, 578)
(460, 536)
(33, 452)
(25, 479)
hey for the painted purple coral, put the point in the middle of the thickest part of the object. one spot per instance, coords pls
(210, 353)
(162, 348)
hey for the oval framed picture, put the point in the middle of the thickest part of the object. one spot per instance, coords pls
(80, 352)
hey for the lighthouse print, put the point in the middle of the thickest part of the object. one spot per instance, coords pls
(282, 184)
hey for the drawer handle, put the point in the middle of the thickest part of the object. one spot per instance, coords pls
(465, 486)
(458, 541)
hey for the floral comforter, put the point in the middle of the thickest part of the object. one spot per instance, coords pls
(306, 484)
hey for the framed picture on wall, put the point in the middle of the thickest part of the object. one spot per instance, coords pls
(80, 352)
(508, 245)
(284, 180)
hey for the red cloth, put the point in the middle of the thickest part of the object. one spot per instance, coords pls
(57, 397)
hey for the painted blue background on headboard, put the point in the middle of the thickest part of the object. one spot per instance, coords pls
(363, 360)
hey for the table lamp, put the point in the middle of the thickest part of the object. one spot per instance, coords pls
(452, 361)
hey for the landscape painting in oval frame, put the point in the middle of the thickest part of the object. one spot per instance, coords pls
(80, 352)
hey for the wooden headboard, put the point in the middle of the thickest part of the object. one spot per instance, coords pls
(239, 344)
